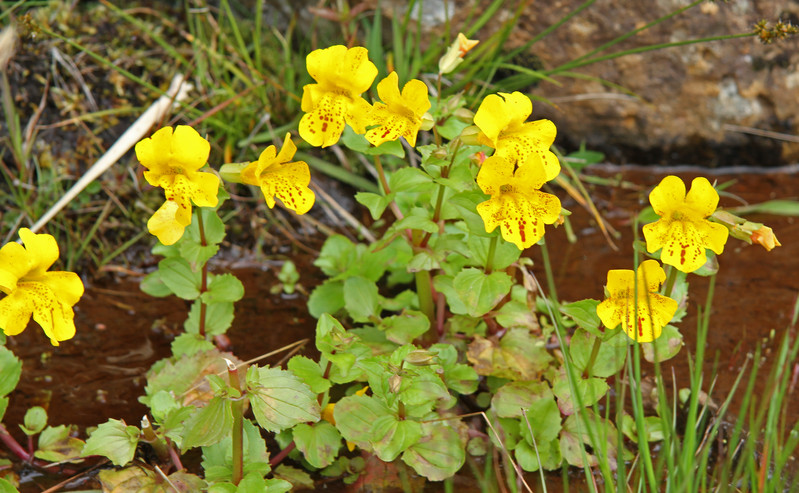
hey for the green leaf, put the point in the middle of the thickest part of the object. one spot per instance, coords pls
(376, 203)
(213, 227)
(518, 356)
(196, 253)
(6, 487)
(419, 221)
(354, 416)
(223, 288)
(575, 436)
(548, 455)
(152, 285)
(319, 443)
(422, 392)
(218, 318)
(512, 397)
(327, 298)
(609, 359)
(391, 436)
(10, 371)
(664, 347)
(113, 439)
(361, 299)
(543, 420)
(405, 327)
(408, 179)
(358, 143)
(466, 204)
(279, 399)
(56, 444)
(35, 420)
(188, 344)
(208, 425)
(179, 278)
(310, 372)
(480, 292)
(589, 390)
(505, 252)
(438, 454)
(582, 158)
(583, 313)
(3, 407)
(779, 207)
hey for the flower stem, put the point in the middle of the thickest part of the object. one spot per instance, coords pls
(425, 294)
(591, 359)
(13, 445)
(156, 443)
(382, 175)
(672, 278)
(204, 274)
(238, 423)
(492, 248)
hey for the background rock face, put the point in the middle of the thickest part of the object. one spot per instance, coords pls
(686, 97)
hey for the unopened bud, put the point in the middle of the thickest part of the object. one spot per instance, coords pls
(766, 238)
(454, 55)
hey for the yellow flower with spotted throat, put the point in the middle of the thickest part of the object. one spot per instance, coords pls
(516, 204)
(342, 75)
(278, 177)
(173, 160)
(33, 291)
(644, 321)
(682, 230)
(400, 115)
(503, 126)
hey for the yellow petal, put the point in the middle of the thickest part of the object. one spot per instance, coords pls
(620, 283)
(289, 183)
(495, 173)
(517, 106)
(359, 115)
(491, 118)
(164, 224)
(667, 196)
(323, 126)
(650, 276)
(287, 151)
(189, 149)
(342, 68)
(15, 312)
(521, 217)
(42, 248)
(66, 286)
(415, 97)
(205, 192)
(702, 197)
(55, 318)
(388, 89)
(610, 312)
(153, 152)
(15, 262)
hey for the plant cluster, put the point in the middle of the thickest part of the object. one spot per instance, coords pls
(437, 321)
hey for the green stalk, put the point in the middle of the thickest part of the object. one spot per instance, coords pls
(237, 406)
(591, 359)
(670, 280)
(492, 248)
(203, 274)
(425, 294)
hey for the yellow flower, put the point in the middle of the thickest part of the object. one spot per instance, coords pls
(278, 177)
(401, 115)
(455, 53)
(503, 127)
(644, 322)
(172, 161)
(516, 204)
(766, 238)
(682, 230)
(31, 290)
(342, 75)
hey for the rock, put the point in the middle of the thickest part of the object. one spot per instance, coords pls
(685, 104)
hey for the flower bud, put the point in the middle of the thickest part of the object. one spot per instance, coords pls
(766, 238)
(454, 55)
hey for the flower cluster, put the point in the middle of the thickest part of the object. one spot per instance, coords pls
(519, 167)
(342, 75)
(33, 291)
